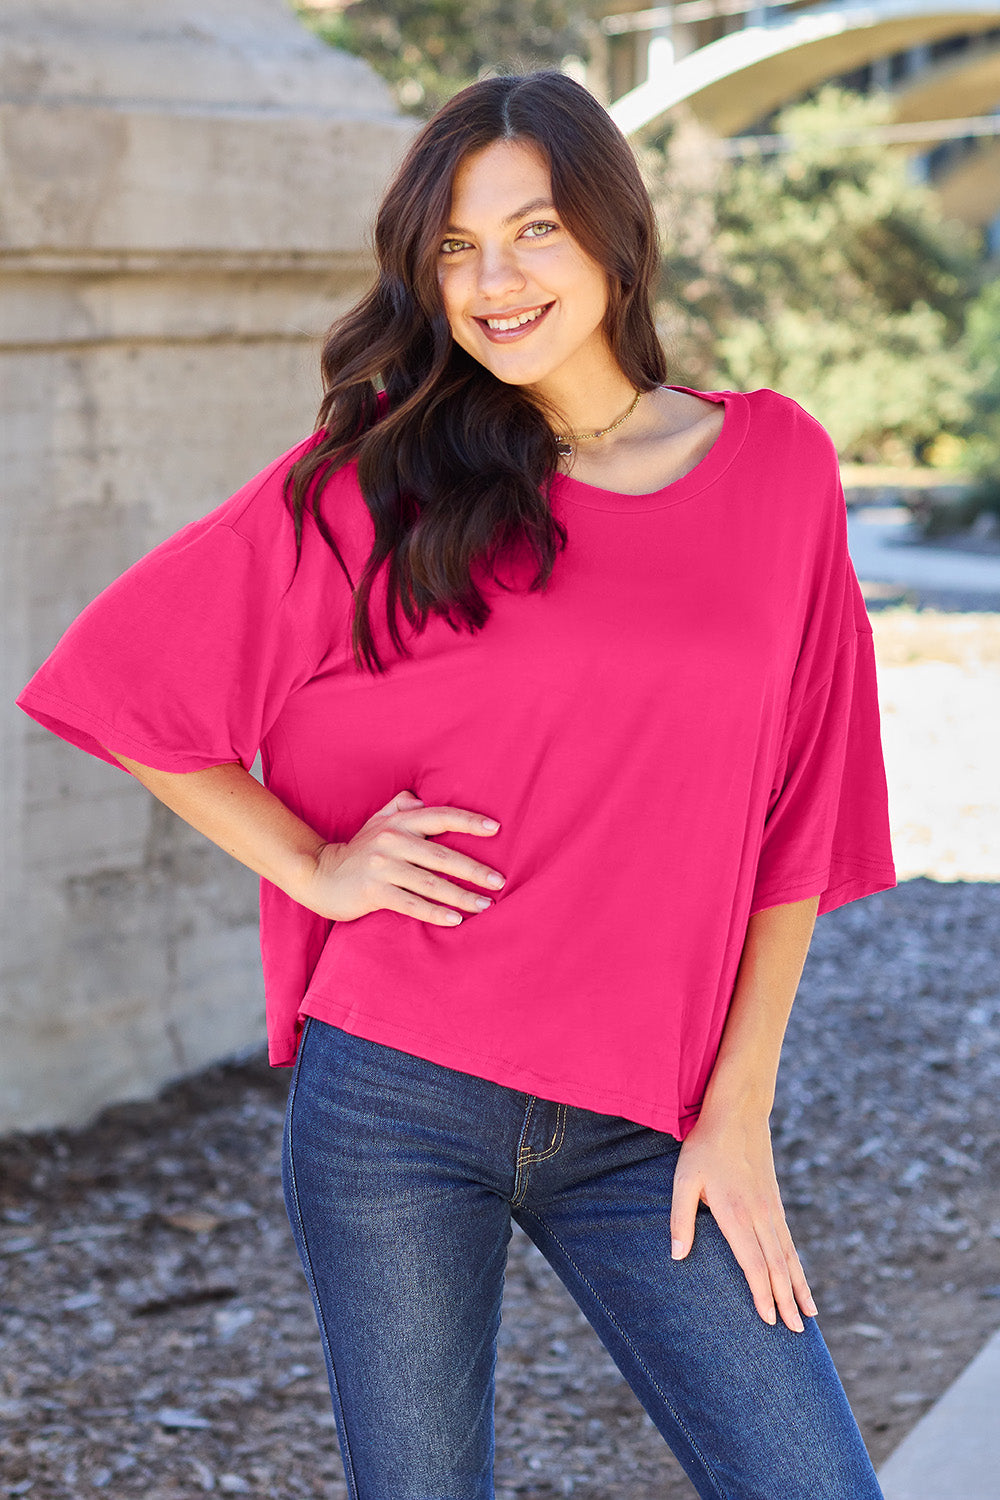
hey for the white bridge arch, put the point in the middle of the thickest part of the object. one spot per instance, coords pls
(734, 81)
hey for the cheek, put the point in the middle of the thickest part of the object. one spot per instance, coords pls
(588, 279)
(452, 297)
(597, 285)
(601, 299)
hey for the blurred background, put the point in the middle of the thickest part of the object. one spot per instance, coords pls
(186, 197)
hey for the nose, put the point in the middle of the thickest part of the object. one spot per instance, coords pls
(499, 273)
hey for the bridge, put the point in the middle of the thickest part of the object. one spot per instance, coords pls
(733, 63)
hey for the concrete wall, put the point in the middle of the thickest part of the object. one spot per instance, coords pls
(186, 193)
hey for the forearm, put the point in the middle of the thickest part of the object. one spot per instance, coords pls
(230, 807)
(774, 953)
(726, 1160)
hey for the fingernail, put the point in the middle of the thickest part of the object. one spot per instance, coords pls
(811, 1307)
(799, 1326)
(677, 1249)
(772, 1316)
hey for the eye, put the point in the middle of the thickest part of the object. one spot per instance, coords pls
(543, 226)
(452, 247)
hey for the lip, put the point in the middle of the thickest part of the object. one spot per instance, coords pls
(511, 335)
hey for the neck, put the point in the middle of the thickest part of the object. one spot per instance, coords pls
(585, 400)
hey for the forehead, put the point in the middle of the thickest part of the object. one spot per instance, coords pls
(490, 183)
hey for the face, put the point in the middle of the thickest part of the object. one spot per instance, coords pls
(521, 294)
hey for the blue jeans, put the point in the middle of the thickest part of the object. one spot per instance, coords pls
(401, 1178)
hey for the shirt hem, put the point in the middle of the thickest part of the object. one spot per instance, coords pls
(88, 731)
(865, 878)
(670, 1121)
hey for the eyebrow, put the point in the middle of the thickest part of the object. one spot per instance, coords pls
(519, 213)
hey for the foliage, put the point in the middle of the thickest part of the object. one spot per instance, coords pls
(821, 271)
(429, 49)
(982, 432)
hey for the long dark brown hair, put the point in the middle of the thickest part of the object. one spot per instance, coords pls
(458, 464)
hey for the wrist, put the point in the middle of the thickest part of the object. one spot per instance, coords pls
(300, 881)
(747, 1100)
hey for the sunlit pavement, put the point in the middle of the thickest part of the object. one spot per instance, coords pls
(940, 706)
(885, 548)
(940, 729)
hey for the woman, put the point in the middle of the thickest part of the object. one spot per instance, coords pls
(632, 698)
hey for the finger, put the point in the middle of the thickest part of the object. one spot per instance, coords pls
(803, 1295)
(431, 820)
(397, 885)
(683, 1210)
(800, 1284)
(420, 854)
(423, 882)
(780, 1277)
(397, 898)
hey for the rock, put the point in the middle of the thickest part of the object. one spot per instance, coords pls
(174, 1418)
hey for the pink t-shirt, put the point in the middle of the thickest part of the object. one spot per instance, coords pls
(681, 729)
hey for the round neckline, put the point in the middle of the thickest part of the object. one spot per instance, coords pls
(735, 421)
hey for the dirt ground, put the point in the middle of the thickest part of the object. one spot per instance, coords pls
(157, 1335)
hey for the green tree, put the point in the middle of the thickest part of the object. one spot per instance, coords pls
(822, 271)
(429, 49)
(982, 432)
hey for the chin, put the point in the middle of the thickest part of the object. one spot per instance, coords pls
(525, 374)
(509, 371)
(508, 379)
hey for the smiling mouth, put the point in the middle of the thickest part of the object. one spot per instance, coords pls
(503, 330)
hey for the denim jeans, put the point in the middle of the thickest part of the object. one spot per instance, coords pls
(401, 1178)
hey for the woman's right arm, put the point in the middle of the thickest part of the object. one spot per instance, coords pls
(390, 863)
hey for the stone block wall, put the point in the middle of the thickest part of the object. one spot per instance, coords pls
(186, 196)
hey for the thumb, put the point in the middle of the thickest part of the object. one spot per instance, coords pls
(410, 796)
(683, 1208)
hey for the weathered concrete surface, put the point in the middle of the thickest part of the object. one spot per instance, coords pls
(187, 190)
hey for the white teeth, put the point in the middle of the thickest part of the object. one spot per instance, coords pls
(503, 323)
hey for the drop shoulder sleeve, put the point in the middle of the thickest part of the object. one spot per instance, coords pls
(827, 826)
(185, 660)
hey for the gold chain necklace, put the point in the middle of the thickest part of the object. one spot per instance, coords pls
(564, 442)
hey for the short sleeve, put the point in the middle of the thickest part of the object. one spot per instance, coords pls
(827, 825)
(186, 659)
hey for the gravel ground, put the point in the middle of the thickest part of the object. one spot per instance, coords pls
(158, 1339)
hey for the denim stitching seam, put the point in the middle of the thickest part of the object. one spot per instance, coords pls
(526, 1157)
(345, 1446)
(638, 1357)
(523, 1155)
(558, 1137)
(522, 1149)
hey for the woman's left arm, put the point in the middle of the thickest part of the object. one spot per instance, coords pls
(726, 1160)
